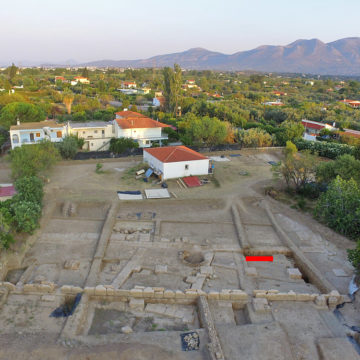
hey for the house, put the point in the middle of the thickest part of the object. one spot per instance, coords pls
(96, 134)
(355, 104)
(129, 84)
(313, 128)
(129, 91)
(33, 132)
(60, 78)
(139, 127)
(81, 80)
(7, 191)
(172, 162)
(279, 93)
(274, 103)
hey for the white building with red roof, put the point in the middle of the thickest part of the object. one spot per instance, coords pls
(172, 162)
(140, 128)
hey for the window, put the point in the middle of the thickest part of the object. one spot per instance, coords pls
(37, 134)
(58, 134)
(95, 131)
(186, 166)
(147, 142)
(103, 132)
(15, 139)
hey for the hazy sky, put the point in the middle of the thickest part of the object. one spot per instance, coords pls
(86, 30)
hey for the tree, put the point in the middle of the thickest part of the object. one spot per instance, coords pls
(68, 99)
(6, 238)
(255, 137)
(29, 188)
(68, 147)
(119, 146)
(354, 256)
(339, 207)
(85, 72)
(172, 87)
(24, 112)
(345, 166)
(290, 131)
(31, 160)
(12, 71)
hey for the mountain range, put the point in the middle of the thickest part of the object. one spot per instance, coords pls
(341, 57)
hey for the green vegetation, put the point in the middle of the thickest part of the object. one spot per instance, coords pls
(119, 146)
(98, 168)
(68, 147)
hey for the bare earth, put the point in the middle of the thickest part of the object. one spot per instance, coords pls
(151, 270)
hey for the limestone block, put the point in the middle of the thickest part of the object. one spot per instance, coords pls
(206, 270)
(139, 287)
(259, 293)
(72, 265)
(321, 301)
(251, 271)
(158, 309)
(121, 292)
(159, 294)
(225, 294)
(100, 290)
(158, 288)
(160, 269)
(190, 293)
(260, 305)
(10, 286)
(213, 295)
(137, 304)
(238, 295)
(66, 289)
(137, 268)
(304, 297)
(48, 298)
(272, 291)
(126, 330)
(169, 294)
(294, 273)
(136, 293)
(30, 288)
(89, 290)
(179, 294)
(148, 292)
(45, 288)
(38, 279)
(110, 291)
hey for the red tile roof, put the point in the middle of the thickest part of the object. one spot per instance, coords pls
(192, 181)
(169, 154)
(6, 191)
(128, 113)
(139, 123)
(313, 124)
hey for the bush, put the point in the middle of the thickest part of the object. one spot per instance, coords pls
(26, 215)
(29, 188)
(255, 137)
(119, 146)
(354, 256)
(339, 207)
(31, 160)
(68, 147)
(326, 149)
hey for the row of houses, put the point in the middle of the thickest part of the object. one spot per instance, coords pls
(96, 134)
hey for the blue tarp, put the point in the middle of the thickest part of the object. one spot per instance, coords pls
(66, 309)
(149, 172)
(234, 155)
(137, 192)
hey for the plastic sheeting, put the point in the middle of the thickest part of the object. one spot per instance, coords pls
(66, 310)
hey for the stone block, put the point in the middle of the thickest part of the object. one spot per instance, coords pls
(10, 286)
(262, 293)
(179, 294)
(294, 273)
(159, 289)
(148, 292)
(110, 291)
(126, 330)
(225, 294)
(213, 295)
(160, 269)
(321, 301)
(260, 305)
(159, 294)
(304, 297)
(89, 290)
(189, 293)
(46, 288)
(169, 294)
(238, 295)
(121, 292)
(100, 290)
(48, 298)
(136, 293)
(30, 288)
(251, 271)
(66, 289)
(137, 304)
(72, 265)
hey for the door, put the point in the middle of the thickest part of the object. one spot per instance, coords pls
(31, 137)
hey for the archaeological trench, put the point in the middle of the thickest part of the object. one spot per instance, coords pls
(151, 271)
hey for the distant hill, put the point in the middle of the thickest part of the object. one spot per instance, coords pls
(341, 57)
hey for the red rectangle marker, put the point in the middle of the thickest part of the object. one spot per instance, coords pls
(259, 258)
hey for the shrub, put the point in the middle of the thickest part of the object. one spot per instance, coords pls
(29, 188)
(68, 147)
(339, 207)
(119, 146)
(255, 137)
(326, 149)
(26, 215)
(354, 256)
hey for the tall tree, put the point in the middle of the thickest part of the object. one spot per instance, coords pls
(85, 72)
(68, 100)
(172, 87)
(12, 71)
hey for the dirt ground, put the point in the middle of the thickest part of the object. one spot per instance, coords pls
(89, 237)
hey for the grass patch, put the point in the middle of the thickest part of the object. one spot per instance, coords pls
(216, 182)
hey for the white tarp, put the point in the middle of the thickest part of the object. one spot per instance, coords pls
(157, 193)
(130, 196)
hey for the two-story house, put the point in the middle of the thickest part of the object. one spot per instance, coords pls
(139, 127)
(96, 134)
(34, 132)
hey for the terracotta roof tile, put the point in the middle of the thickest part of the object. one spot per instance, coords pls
(139, 123)
(169, 154)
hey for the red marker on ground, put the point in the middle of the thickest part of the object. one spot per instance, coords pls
(259, 258)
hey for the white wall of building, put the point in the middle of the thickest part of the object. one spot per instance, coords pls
(173, 170)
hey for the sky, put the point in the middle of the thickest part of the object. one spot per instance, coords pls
(87, 30)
